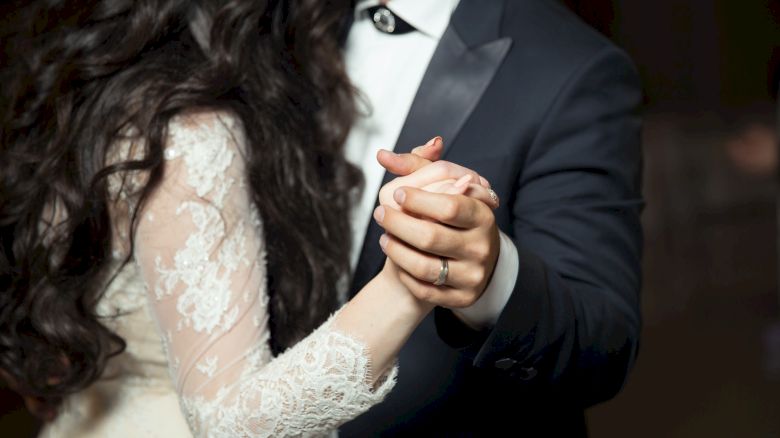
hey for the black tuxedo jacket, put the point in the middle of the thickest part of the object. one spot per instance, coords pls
(546, 109)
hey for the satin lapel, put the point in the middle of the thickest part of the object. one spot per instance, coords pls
(450, 90)
(460, 71)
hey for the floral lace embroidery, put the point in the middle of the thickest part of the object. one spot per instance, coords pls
(201, 253)
(309, 397)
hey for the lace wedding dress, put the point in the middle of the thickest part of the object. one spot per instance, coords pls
(193, 309)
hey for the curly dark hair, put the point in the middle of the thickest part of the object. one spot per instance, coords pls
(77, 74)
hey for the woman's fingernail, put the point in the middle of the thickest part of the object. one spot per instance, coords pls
(465, 179)
(389, 152)
(383, 241)
(432, 141)
(399, 196)
(379, 214)
(485, 183)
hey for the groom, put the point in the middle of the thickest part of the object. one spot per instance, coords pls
(539, 315)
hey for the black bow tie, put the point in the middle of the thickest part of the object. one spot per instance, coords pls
(386, 21)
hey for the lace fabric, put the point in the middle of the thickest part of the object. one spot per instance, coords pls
(200, 253)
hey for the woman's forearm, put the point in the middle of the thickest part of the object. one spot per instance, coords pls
(382, 315)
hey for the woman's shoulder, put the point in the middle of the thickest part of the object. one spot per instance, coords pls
(211, 146)
(203, 127)
(191, 132)
(203, 152)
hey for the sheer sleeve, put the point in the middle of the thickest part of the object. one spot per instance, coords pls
(201, 252)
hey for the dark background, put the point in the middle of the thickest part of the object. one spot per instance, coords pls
(709, 361)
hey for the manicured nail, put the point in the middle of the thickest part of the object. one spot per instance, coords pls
(400, 196)
(383, 241)
(465, 179)
(379, 214)
(389, 152)
(432, 141)
(485, 183)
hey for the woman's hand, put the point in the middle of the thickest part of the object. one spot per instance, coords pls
(384, 314)
(420, 169)
(441, 211)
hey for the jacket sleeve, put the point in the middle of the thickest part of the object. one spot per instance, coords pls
(573, 320)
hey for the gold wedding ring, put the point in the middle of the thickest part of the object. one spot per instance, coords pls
(443, 271)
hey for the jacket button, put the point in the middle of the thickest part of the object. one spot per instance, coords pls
(526, 373)
(505, 364)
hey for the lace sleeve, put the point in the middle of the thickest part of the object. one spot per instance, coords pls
(200, 248)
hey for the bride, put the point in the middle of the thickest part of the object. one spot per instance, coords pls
(173, 216)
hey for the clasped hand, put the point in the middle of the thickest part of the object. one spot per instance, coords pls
(436, 210)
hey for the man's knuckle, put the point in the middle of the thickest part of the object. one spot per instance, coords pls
(468, 299)
(429, 240)
(450, 210)
(479, 251)
(425, 293)
(476, 278)
(432, 271)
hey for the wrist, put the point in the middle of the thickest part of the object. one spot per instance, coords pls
(391, 284)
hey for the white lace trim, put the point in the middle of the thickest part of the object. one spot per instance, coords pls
(310, 390)
(202, 256)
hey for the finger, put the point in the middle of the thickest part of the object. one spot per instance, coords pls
(481, 193)
(404, 164)
(465, 186)
(401, 164)
(427, 268)
(422, 266)
(444, 186)
(455, 210)
(437, 171)
(422, 234)
(431, 150)
(443, 296)
(434, 172)
(449, 186)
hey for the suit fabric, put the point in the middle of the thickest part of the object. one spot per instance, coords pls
(546, 109)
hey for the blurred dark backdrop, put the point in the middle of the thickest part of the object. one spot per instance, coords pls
(709, 363)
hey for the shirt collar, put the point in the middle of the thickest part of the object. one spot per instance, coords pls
(430, 17)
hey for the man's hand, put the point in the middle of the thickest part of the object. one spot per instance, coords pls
(449, 217)
(418, 169)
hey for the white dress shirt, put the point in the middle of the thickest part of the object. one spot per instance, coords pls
(388, 69)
